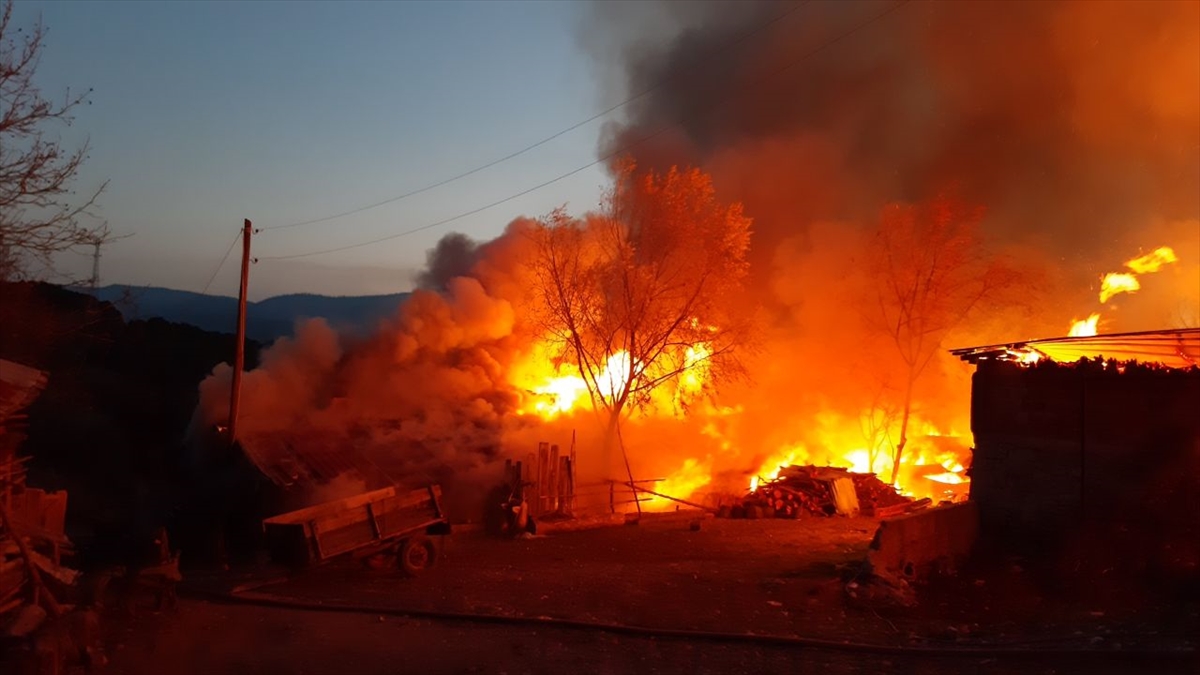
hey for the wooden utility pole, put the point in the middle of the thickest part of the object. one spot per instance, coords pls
(239, 359)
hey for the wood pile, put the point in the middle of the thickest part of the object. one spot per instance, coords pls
(808, 490)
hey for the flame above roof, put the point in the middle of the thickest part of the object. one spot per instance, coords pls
(1179, 348)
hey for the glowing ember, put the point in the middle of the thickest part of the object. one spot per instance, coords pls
(1117, 282)
(1085, 327)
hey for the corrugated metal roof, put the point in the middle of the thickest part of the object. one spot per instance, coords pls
(1178, 348)
(305, 457)
(19, 387)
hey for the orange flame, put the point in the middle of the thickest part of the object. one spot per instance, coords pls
(1085, 327)
(920, 454)
(1152, 261)
(683, 483)
(1117, 282)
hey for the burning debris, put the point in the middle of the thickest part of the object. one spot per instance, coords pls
(823, 491)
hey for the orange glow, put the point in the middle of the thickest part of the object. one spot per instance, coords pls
(1085, 327)
(1117, 282)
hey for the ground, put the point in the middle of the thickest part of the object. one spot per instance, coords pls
(565, 602)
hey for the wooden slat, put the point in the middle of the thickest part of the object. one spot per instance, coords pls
(329, 508)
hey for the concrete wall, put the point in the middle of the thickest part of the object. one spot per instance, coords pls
(1057, 444)
(914, 545)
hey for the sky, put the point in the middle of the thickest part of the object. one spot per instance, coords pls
(203, 114)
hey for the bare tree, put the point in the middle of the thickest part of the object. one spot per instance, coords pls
(648, 291)
(876, 423)
(39, 214)
(931, 272)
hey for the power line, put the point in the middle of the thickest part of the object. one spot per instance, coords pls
(741, 38)
(623, 149)
(222, 263)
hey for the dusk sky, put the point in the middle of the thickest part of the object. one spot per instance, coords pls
(207, 113)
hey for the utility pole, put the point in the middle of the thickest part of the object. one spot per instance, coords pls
(239, 359)
(95, 280)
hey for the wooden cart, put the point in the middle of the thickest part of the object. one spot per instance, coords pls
(373, 523)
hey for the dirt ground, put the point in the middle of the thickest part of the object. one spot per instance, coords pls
(767, 577)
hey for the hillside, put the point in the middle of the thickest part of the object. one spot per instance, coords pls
(265, 320)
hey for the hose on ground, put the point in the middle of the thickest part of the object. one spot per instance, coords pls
(245, 595)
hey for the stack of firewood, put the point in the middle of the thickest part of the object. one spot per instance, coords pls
(875, 496)
(800, 490)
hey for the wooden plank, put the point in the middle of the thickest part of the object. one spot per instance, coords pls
(312, 527)
(538, 505)
(374, 522)
(329, 508)
(552, 481)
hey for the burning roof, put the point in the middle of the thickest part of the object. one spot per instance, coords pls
(1178, 348)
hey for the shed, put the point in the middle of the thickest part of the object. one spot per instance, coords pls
(1078, 429)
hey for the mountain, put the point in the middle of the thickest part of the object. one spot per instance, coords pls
(265, 320)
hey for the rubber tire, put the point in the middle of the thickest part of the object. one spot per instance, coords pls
(417, 555)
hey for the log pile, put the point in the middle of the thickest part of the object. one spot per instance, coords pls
(876, 496)
(807, 490)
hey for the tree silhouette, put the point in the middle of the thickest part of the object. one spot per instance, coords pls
(39, 214)
(930, 272)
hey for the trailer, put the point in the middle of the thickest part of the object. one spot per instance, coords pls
(374, 524)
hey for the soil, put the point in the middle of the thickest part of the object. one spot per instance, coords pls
(767, 577)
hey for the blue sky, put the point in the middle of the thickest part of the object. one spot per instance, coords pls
(207, 113)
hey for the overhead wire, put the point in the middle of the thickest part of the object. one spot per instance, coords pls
(619, 151)
(512, 155)
(222, 263)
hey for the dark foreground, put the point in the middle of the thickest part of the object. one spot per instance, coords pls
(607, 601)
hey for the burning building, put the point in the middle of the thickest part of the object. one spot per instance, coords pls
(1087, 431)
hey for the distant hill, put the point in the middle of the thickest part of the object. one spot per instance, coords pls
(265, 320)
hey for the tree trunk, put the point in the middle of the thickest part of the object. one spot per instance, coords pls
(613, 440)
(908, 395)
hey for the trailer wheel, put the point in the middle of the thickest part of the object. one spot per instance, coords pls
(417, 555)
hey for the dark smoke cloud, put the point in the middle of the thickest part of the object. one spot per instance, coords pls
(1076, 124)
(453, 256)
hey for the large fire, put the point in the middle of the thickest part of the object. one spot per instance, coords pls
(556, 391)
(932, 464)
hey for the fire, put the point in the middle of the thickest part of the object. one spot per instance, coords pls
(683, 483)
(560, 390)
(1117, 282)
(1152, 261)
(1085, 327)
(925, 457)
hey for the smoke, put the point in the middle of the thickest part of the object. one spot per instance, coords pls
(1076, 124)
(425, 398)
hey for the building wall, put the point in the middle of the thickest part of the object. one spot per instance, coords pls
(1057, 444)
